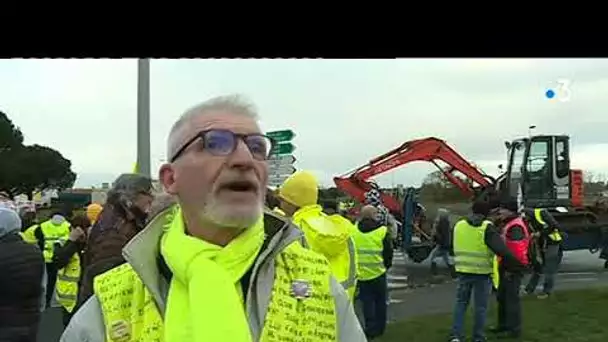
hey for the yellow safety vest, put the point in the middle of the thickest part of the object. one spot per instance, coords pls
(52, 234)
(66, 288)
(369, 253)
(321, 231)
(471, 254)
(554, 235)
(348, 280)
(130, 314)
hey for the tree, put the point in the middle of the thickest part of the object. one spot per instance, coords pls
(26, 169)
(10, 136)
(437, 188)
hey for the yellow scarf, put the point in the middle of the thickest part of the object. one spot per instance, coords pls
(205, 301)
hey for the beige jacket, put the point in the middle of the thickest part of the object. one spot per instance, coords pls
(141, 252)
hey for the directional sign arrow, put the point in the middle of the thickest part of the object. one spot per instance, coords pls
(281, 136)
(274, 164)
(283, 148)
(282, 159)
(283, 170)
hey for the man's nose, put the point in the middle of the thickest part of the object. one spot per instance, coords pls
(242, 156)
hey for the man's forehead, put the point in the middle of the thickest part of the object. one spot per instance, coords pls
(221, 120)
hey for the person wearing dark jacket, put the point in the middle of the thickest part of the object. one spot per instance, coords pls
(122, 217)
(474, 253)
(67, 259)
(375, 257)
(21, 282)
(442, 236)
(548, 239)
(517, 238)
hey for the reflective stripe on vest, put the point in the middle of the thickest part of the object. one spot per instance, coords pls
(129, 312)
(66, 288)
(370, 264)
(554, 235)
(351, 281)
(471, 254)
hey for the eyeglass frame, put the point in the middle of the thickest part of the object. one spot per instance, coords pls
(237, 136)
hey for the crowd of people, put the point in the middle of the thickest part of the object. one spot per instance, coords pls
(491, 250)
(216, 257)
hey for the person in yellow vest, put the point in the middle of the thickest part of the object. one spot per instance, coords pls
(375, 257)
(68, 260)
(298, 196)
(215, 266)
(48, 235)
(548, 236)
(476, 242)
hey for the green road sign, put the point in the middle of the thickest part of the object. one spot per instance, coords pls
(281, 136)
(283, 148)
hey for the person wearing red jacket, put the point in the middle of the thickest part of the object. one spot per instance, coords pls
(517, 237)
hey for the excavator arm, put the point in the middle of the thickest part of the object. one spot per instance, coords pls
(356, 184)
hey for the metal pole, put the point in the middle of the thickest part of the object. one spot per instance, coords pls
(143, 116)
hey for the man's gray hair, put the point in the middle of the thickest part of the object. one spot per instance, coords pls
(234, 103)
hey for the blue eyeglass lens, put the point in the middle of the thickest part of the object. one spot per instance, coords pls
(219, 142)
(258, 145)
(223, 143)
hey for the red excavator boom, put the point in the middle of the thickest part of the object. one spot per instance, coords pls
(355, 183)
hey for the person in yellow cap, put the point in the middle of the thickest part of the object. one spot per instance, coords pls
(93, 211)
(298, 197)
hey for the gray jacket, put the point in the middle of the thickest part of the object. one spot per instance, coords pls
(141, 252)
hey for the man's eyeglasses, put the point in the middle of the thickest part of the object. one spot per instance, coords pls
(221, 142)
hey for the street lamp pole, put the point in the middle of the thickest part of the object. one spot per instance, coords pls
(530, 128)
(143, 116)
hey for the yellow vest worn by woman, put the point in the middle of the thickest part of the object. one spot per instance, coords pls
(331, 237)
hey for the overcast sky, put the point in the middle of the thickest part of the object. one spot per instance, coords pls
(344, 112)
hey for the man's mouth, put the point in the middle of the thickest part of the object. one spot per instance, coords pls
(242, 186)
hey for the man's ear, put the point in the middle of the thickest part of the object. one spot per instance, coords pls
(166, 176)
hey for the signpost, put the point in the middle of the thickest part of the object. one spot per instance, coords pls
(282, 159)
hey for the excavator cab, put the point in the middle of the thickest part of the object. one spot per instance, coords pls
(538, 171)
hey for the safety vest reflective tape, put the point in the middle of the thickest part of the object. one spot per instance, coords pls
(554, 235)
(351, 280)
(369, 245)
(66, 288)
(471, 254)
(129, 316)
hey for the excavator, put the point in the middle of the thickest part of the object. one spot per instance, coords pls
(537, 173)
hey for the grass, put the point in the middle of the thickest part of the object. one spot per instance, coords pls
(573, 316)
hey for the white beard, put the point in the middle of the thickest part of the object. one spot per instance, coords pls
(229, 217)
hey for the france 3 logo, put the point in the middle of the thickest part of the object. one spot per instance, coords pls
(559, 90)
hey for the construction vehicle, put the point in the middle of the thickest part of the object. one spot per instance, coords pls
(537, 173)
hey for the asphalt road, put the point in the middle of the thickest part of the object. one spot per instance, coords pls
(419, 293)
(413, 291)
